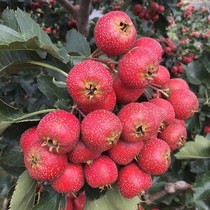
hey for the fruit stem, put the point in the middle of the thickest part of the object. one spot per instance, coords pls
(25, 116)
(48, 66)
(96, 53)
(159, 90)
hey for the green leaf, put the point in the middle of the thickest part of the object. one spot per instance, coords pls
(24, 194)
(4, 126)
(202, 187)
(25, 39)
(197, 73)
(112, 200)
(15, 61)
(197, 149)
(8, 113)
(52, 201)
(76, 42)
(48, 88)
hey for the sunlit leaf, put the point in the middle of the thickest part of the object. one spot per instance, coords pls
(197, 149)
(24, 194)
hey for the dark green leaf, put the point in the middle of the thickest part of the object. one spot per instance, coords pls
(48, 88)
(8, 113)
(112, 200)
(197, 74)
(15, 61)
(5, 184)
(24, 194)
(76, 42)
(51, 201)
(197, 149)
(25, 39)
(202, 187)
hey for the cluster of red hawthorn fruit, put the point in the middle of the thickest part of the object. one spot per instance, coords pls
(117, 138)
(150, 13)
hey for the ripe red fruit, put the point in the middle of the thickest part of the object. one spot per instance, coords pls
(43, 165)
(123, 152)
(138, 68)
(184, 102)
(125, 94)
(151, 44)
(154, 157)
(68, 203)
(115, 33)
(89, 82)
(139, 123)
(59, 131)
(174, 135)
(28, 138)
(154, 6)
(101, 129)
(162, 76)
(71, 180)
(174, 84)
(132, 181)
(82, 154)
(79, 201)
(108, 104)
(101, 173)
(167, 109)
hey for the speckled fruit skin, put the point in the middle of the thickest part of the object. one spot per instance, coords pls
(115, 33)
(132, 181)
(162, 77)
(174, 135)
(82, 154)
(167, 108)
(184, 102)
(138, 68)
(28, 138)
(101, 173)
(71, 180)
(152, 44)
(174, 84)
(123, 152)
(154, 157)
(108, 104)
(101, 129)
(138, 122)
(89, 82)
(59, 131)
(43, 165)
(125, 94)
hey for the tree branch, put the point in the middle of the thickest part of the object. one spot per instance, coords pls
(83, 17)
(170, 188)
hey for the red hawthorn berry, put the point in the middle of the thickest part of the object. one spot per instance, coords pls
(79, 201)
(161, 9)
(71, 180)
(174, 135)
(115, 33)
(207, 129)
(151, 44)
(136, 9)
(167, 109)
(101, 129)
(139, 123)
(154, 157)
(89, 82)
(108, 104)
(101, 173)
(82, 154)
(132, 181)
(162, 76)
(124, 152)
(28, 138)
(59, 131)
(43, 165)
(125, 94)
(174, 84)
(184, 102)
(138, 68)
(142, 13)
(154, 6)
